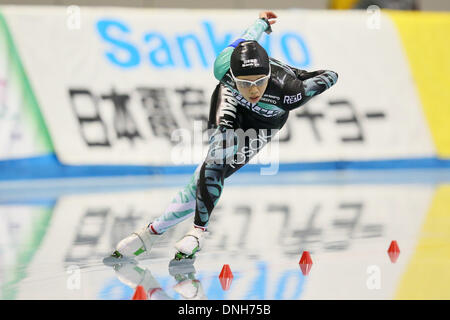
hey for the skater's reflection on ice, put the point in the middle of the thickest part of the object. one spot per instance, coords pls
(189, 288)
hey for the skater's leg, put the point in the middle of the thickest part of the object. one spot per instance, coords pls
(222, 114)
(183, 204)
(222, 148)
(237, 146)
(229, 151)
(246, 145)
(180, 208)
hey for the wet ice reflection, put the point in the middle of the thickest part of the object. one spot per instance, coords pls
(262, 235)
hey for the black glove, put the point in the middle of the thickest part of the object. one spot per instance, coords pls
(269, 28)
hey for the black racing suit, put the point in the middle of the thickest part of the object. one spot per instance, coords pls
(288, 89)
(241, 129)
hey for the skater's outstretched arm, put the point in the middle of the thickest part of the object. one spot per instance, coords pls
(308, 85)
(254, 32)
(323, 80)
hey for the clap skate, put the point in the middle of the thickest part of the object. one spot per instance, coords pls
(137, 244)
(190, 244)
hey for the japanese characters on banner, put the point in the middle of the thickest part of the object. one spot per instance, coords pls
(122, 84)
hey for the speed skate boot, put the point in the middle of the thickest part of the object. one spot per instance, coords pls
(190, 244)
(136, 244)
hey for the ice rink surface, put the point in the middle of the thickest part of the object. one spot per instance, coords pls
(54, 235)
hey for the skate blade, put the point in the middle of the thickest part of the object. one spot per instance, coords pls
(116, 258)
(183, 256)
(181, 266)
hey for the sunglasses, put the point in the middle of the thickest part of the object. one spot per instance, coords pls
(247, 83)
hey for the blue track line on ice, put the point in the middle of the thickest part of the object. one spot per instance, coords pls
(48, 166)
(30, 192)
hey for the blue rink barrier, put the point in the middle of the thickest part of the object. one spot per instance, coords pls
(48, 166)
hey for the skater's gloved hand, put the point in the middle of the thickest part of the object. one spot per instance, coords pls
(269, 15)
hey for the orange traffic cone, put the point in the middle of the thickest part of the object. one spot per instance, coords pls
(139, 294)
(226, 277)
(393, 251)
(305, 263)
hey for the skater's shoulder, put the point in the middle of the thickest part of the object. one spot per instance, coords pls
(282, 76)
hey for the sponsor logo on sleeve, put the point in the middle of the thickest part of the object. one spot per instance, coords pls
(292, 99)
